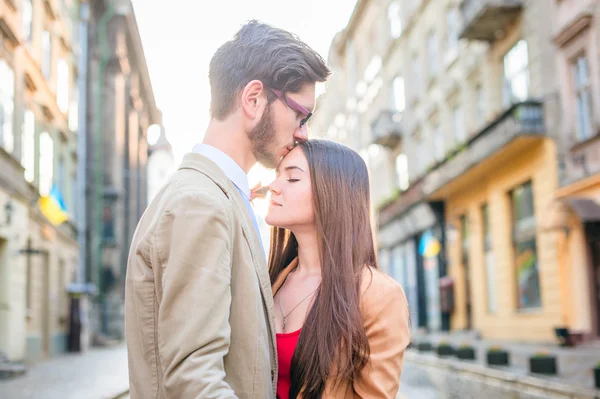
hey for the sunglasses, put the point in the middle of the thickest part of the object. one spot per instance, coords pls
(294, 106)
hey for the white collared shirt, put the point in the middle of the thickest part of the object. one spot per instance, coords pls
(236, 174)
(231, 169)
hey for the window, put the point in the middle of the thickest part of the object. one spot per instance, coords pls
(109, 224)
(459, 124)
(438, 142)
(399, 96)
(421, 155)
(524, 243)
(416, 73)
(466, 263)
(74, 110)
(63, 302)
(46, 163)
(490, 265)
(480, 105)
(60, 174)
(395, 19)
(432, 51)
(62, 92)
(27, 13)
(452, 26)
(74, 196)
(516, 74)
(7, 104)
(46, 54)
(402, 171)
(28, 145)
(583, 100)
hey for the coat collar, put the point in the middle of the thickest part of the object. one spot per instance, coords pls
(204, 165)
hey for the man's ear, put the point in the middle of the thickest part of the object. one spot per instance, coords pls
(254, 99)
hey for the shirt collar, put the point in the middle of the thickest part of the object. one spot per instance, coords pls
(231, 169)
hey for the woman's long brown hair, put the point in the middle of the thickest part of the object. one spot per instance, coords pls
(333, 343)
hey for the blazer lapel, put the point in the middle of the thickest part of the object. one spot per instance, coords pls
(212, 171)
(259, 260)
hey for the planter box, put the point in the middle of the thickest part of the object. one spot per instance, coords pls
(597, 377)
(466, 353)
(445, 350)
(543, 365)
(498, 358)
(424, 347)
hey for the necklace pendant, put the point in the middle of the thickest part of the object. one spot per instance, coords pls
(283, 323)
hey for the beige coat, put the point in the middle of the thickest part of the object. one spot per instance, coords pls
(386, 321)
(199, 310)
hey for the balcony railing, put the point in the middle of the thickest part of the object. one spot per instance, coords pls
(9, 21)
(525, 119)
(485, 19)
(386, 128)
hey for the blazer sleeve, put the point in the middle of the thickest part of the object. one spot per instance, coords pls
(193, 315)
(386, 320)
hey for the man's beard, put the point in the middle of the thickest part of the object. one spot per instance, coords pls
(262, 137)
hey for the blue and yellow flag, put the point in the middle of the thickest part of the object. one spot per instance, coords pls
(53, 207)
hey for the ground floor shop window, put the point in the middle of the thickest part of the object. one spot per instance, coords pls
(524, 243)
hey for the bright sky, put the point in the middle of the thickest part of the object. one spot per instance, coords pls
(180, 38)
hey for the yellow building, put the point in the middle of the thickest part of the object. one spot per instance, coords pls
(497, 187)
(504, 268)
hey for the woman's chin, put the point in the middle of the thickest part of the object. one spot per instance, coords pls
(273, 222)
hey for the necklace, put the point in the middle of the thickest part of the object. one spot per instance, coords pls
(284, 316)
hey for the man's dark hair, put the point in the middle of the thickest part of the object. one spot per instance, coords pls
(259, 51)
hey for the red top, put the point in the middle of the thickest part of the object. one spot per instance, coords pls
(286, 345)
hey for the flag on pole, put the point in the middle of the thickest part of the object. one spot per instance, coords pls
(53, 207)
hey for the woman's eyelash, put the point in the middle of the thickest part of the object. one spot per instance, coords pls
(293, 180)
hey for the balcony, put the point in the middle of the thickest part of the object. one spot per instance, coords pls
(510, 134)
(386, 128)
(10, 22)
(484, 20)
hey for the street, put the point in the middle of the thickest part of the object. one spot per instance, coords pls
(100, 373)
(428, 380)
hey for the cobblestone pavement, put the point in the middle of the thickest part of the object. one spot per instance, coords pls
(100, 373)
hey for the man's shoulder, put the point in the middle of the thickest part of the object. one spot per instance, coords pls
(187, 181)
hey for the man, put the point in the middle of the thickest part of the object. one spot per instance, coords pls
(199, 310)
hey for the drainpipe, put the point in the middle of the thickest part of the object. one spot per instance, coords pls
(99, 153)
(84, 13)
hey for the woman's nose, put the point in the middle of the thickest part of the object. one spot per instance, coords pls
(273, 188)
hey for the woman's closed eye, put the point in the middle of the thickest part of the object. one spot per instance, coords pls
(293, 180)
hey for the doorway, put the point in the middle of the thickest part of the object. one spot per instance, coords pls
(593, 236)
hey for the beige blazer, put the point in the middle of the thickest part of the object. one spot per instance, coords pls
(386, 320)
(198, 304)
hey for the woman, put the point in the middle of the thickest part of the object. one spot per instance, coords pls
(342, 325)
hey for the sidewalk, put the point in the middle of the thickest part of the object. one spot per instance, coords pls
(99, 373)
(574, 364)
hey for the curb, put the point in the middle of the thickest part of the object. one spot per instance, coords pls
(510, 380)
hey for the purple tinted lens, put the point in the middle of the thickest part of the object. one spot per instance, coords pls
(292, 104)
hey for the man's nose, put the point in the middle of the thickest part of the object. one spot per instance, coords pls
(301, 134)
